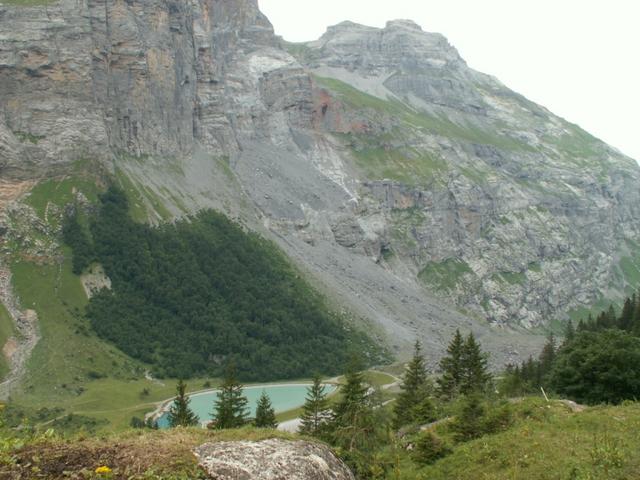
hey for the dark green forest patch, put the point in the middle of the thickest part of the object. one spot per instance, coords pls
(189, 297)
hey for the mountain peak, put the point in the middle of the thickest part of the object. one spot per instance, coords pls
(403, 23)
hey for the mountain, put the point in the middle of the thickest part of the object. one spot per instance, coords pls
(418, 194)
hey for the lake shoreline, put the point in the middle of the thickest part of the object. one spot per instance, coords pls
(165, 405)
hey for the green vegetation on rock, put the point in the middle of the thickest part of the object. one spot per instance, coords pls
(446, 275)
(512, 278)
(60, 192)
(411, 118)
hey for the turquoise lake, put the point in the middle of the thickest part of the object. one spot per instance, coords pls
(283, 398)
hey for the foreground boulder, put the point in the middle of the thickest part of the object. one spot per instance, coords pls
(271, 459)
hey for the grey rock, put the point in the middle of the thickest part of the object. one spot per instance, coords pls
(271, 460)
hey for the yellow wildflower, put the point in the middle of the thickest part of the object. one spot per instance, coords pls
(103, 470)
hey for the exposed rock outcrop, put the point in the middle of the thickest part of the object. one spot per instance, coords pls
(271, 460)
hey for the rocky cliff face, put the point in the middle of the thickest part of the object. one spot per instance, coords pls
(420, 194)
(489, 198)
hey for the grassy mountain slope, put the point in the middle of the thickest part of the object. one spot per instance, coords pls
(72, 370)
(547, 442)
(550, 442)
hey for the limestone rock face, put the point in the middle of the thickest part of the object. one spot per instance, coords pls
(491, 200)
(97, 78)
(271, 460)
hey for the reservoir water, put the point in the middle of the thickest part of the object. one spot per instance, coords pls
(283, 398)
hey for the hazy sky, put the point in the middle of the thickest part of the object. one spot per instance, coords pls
(580, 59)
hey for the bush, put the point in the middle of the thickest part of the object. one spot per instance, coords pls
(498, 419)
(428, 448)
(469, 420)
(137, 422)
(424, 412)
(475, 418)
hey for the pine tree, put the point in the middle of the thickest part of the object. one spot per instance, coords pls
(475, 374)
(231, 405)
(414, 390)
(265, 414)
(512, 383)
(468, 423)
(451, 366)
(569, 332)
(547, 356)
(635, 323)
(180, 414)
(315, 410)
(529, 370)
(607, 319)
(626, 316)
(353, 421)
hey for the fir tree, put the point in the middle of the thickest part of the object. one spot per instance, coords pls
(475, 374)
(569, 332)
(265, 414)
(512, 382)
(626, 316)
(315, 410)
(451, 366)
(468, 423)
(547, 356)
(231, 405)
(414, 390)
(353, 422)
(180, 414)
(635, 323)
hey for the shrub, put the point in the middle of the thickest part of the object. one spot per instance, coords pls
(424, 412)
(475, 418)
(429, 447)
(498, 419)
(469, 420)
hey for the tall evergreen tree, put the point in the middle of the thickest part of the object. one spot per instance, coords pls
(353, 422)
(451, 366)
(265, 414)
(315, 410)
(635, 323)
(180, 414)
(569, 332)
(606, 319)
(547, 356)
(475, 374)
(414, 390)
(230, 408)
(626, 316)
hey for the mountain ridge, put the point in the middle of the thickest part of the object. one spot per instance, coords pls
(451, 203)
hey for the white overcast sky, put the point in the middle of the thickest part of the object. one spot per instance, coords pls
(580, 59)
